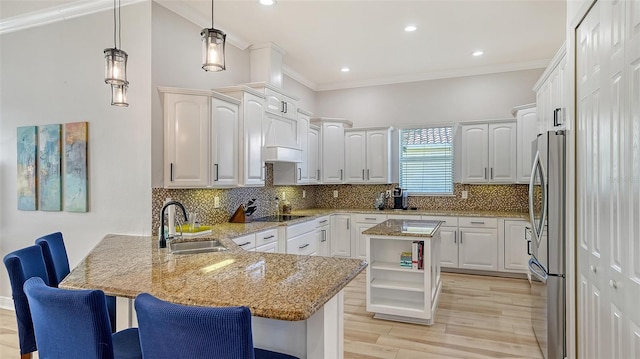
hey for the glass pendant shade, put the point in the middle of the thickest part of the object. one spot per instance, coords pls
(119, 95)
(115, 70)
(213, 43)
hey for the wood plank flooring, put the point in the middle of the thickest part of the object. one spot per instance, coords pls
(477, 317)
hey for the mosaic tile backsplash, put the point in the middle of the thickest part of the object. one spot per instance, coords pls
(201, 201)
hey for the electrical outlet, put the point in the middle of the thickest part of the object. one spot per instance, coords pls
(335, 194)
(216, 202)
(465, 194)
(284, 195)
(388, 193)
(304, 194)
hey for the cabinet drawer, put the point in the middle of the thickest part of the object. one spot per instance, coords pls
(304, 244)
(370, 218)
(269, 247)
(446, 221)
(322, 221)
(247, 242)
(479, 222)
(266, 237)
(298, 229)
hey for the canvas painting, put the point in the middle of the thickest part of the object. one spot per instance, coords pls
(26, 181)
(75, 164)
(49, 175)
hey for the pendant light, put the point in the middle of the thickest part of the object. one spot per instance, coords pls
(115, 70)
(213, 43)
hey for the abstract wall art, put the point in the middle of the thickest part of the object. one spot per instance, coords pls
(75, 164)
(49, 175)
(27, 167)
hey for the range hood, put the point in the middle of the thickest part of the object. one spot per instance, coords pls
(280, 143)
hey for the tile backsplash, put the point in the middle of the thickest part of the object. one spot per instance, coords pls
(201, 201)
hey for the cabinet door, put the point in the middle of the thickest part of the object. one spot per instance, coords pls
(475, 164)
(224, 143)
(290, 108)
(303, 139)
(354, 156)
(449, 247)
(515, 246)
(186, 140)
(253, 113)
(502, 152)
(378, 155)
(478, 249)
(361, 243)
(340, 241)
(273, 101)
(312, 156)
(527, 133)
(332, 152)
(542, 108)
(324, 240)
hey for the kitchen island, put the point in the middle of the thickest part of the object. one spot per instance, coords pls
(396, 292)
(296, 301)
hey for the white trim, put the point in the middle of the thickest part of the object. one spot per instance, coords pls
(290, 72)
(536, 64)
(58, 13)
(515, 110)
(7, 303)
(555, 61)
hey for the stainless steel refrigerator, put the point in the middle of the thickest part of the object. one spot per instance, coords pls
(547, 263)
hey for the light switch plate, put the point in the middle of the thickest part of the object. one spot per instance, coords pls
(335, 194)
(216, 202)
(284, 195)
(465, 194)
(304, 194)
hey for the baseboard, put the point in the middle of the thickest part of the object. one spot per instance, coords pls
(6, 303)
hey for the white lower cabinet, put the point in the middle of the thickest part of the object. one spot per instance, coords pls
(449, 247)
(364, 222)
(268, 248)
(516, 257)
(478, 247)
(340, 244)
(248, 242)
(302, 238)
(265, 241)
(323, 232)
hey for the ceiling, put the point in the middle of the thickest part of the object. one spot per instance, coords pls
(321, 37)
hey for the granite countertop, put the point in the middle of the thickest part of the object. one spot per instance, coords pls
(404, 228)
(272, 285)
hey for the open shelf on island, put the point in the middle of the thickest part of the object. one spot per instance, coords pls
(399, 303)
(397, 285)
(393, 266)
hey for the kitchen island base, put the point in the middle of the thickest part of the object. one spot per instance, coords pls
(398, 293)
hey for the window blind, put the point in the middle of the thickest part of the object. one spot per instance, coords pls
(426, 160)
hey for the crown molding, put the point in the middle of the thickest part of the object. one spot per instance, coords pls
(536, 64)
(287, 70)
(57, 14)
(193, 15)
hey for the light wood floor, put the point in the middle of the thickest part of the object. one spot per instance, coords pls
(477, 317)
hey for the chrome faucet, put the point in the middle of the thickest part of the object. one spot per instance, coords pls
(163, 240)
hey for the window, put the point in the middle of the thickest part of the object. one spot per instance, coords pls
(426, 160)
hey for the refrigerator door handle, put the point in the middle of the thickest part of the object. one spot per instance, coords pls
(538, 229)
(537, 271)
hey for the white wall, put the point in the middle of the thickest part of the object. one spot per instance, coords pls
(307, 96)
(458, 99)
(177, 62)
(55, 74)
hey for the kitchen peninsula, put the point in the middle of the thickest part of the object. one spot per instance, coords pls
(296, 301)
(399, 293)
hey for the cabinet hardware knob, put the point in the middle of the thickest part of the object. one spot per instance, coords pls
(325, 221)
(477, 222)
(594, 269)
(244, 244)
(369, 219)
(455, 237)
(304, 246)
(299, 174)
(171, 173)
(363, 174)
(613, 284)
(341, 174)
(216, 166)
(491, 172)
(460, 237)
(529, 247)
(269, 237)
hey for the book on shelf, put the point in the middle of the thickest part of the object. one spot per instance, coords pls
(405, 260)
(421, 255)
(417, 253)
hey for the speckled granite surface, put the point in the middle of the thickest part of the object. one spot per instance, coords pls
(404, 228)
(277, 286)
(452, 213)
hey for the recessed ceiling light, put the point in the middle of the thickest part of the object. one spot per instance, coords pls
(410, 28)
(478, 53)
(345, 69)
(268, 2)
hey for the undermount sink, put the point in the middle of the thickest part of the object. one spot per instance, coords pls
(193, 247)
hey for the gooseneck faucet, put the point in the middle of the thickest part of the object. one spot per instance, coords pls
(163, 240)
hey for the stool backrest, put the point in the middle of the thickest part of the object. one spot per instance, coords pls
(55, 257)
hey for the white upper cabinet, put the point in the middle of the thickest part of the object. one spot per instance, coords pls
(488, 153)
(303, 139)
(367, 155)
(186, 140)
(332, 148)
(551, 94)
(527, 123)
(280, 104)
(313, 157)
(224, 143)
(200, 139)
